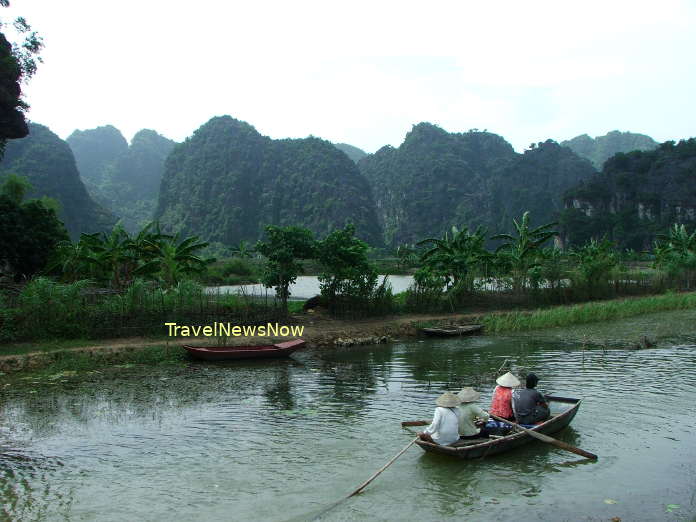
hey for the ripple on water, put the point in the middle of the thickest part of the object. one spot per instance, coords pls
(277, 440)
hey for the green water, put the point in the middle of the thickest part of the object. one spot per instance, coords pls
(281, 440)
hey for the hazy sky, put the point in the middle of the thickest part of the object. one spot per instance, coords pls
(364, 72)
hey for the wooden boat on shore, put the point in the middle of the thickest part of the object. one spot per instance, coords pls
(480, 448)
(229, 353)
(446, 331)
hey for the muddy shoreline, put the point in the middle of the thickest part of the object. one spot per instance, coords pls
(320, 332)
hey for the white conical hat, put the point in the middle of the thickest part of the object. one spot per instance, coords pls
(508, 380)
(448, 400)
(468, 395)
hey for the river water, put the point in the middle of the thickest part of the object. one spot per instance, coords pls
(306, 286)
(281, 440)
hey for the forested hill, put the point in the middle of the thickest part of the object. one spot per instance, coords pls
(635, 197)
(125, 179)
(351, 151)
(601, 148)
(95, 150)
(227, 181)
(536, 181)
(435, 179)
(49, 165)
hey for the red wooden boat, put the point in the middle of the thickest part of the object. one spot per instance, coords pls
(228, 353)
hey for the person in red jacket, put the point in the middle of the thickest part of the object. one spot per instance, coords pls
(501, 404)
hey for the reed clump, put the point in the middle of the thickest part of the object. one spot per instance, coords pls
(587, 312)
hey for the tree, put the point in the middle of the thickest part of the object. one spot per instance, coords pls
(118, 258)
(283, 249)
(596, 260)
(676, 253)
(29, 231)
(456, 257)
(520, 252)
(346, 269)
(243, 250)
(17, 64)
(174, 258)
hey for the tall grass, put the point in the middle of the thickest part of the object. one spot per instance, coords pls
(587, 313)
(49, 310)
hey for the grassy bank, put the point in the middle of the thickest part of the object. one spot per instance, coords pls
(586, 313)
(71, 360)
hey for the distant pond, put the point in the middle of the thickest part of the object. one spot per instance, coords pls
(305, 287)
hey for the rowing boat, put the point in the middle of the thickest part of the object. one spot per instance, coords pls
(479, 448)
(447, 331)
(227, 353)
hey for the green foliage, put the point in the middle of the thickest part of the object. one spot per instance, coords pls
(521, 252)
(457, 259)
(17, 64)
(637, 197)
(173, 259)
(53, 308)
(227, 182)
(284, 248)
(124, 178)
(233, 271)
(15, 188)
(118, 258)
(49, 310)
(586, 313)
(408, 256)
(675, 253)
(347, 275)
(243, 249)
(436, 178)
(595, 262)
(29, 231)
(48, 164)
(427, 291)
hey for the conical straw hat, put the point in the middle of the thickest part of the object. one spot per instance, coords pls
(448, 400)
(468, 395)
(508, 380)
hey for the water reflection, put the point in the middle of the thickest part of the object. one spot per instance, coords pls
(275, 440)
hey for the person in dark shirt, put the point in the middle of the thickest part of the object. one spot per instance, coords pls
(528, 404)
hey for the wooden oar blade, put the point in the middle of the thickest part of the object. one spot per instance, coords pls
(415, 423)
(549, 440)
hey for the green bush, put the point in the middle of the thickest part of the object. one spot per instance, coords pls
(238, 266)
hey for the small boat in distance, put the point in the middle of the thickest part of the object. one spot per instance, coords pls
(455, 329)
(479, 448)
(229, 353)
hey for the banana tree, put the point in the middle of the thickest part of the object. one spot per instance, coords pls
(520, 252)
(676, 253)
(456, 257)
(173, 258)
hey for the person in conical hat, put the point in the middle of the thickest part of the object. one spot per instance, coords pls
(508, 380)
(445, 426)
(469, 412)
(501, 404)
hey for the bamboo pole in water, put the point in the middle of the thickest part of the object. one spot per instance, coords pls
(364, 484)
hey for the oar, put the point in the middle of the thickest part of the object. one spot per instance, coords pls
(414, 423)
(549, 440)
(373, 477)
(364, 484)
